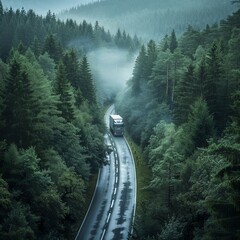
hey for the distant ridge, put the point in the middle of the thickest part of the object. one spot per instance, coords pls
(152, 18)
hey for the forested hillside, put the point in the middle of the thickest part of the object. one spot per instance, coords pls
(41, 7)
(182, 107)
(152, 18)
(51, 129)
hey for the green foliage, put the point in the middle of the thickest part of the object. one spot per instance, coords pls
(139, 72)
(1, 10)
(172, 230)
(87, 87)
(153, 19)
(200, 125)
(49, 34)
(52, 47)
(173, 42)
(20, 105)
(51, 138)
(18, 223)
(186, 91)
(63, 89)
(194, 160)
(48, 66)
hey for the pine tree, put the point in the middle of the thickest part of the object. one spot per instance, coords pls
(36, 46)
(200, 126)
(20, 105)
(202, 75)
(160, 80)
(151, 57)
(86, 83)
(173, 42)
(165, 43)
(1, 10)
(53, 48)
(139, 72)
(72, 68)
(185, 95)
(63, 89)
(213, 84)
(3, 76)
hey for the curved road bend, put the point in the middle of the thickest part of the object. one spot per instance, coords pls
(112, 209)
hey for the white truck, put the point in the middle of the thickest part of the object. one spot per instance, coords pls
(116, 125)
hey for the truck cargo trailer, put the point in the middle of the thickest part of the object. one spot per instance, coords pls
(116, 125)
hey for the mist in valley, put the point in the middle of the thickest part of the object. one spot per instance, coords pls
(111, 69)
(152, 19)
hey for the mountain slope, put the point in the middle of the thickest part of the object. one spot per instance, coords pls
(152, 18)
(44, 5)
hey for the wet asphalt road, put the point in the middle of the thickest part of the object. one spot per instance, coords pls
(112, 209)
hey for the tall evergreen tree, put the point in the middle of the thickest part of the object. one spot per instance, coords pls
(52, 47)
(213, 83)
(202, 75)
(160, 80)
(151, 57)
(87, 87)
(63, 89)
(200, 126)
(139, 72)
(118, 38)
(185, 95)
(1, 10)
(72, 68)
(36, 46)
(165, 43)
(19, 111)
(173, 42)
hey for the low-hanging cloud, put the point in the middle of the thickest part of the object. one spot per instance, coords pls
(111, 69)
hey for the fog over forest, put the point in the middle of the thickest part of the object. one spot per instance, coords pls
(154, 18)
(41, 7)
(170, 69)
(111, 68)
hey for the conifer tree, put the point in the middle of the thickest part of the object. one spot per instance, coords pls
(72, 68)
(1, 10)
(87, 87)
(200, 126)
(202, 75)
(63, 89)
(118, 38)
(165, 44)
(139, 72)
(185, 95)
(36, 46)
(19, 111)
(151, 57)
(173, 42)
(213, 82)
(52, 47)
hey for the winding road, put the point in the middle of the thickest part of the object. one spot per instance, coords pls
(111, 213)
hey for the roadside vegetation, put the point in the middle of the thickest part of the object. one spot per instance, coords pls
(51, 125)
(183, 112)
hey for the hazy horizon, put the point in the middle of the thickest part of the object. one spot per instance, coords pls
(42, 7)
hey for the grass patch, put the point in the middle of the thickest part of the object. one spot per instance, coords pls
(143, 173)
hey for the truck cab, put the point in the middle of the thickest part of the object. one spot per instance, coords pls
(116, 125)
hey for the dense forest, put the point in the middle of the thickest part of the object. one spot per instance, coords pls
(152, 18)
(51, 127)
(183, 109)
(41, 7)
(32, 30)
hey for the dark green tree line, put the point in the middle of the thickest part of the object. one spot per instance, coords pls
(50, 34)
(50, 126)
(186, 120)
